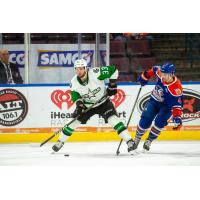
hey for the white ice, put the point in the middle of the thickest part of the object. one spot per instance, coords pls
(101, 153)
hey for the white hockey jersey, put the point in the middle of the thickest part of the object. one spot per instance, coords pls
(94, 87)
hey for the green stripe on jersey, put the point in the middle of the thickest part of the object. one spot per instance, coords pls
(75, 96)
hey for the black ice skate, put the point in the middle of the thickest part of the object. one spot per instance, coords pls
(131, 145)
(147, 145)
(56, 147)
(136, 142)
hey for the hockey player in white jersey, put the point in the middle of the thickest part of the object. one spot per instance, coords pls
(87, 87)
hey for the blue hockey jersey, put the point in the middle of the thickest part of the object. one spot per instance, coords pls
(171, 94)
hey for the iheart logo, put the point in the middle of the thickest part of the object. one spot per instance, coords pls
(118, 98)
(58, 97)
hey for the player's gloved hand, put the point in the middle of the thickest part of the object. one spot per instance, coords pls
(80, 107)
(142, 81)
(112, 88)
(177, 123)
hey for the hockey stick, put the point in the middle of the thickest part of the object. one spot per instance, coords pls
(118, 152)
(89, 108)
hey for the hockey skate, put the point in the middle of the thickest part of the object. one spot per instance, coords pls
(147, 145)
(56, 147)
(131, 146)
(136, 142)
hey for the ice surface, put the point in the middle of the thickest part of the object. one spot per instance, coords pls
(101, 153)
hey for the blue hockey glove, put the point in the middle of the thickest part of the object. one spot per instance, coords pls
(177, 123)
(142, 81)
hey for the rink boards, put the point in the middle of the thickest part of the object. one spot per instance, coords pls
(90, 136)
(31, 113)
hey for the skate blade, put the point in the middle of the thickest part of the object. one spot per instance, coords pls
(134, 153)
(55, 152)
(144, 151)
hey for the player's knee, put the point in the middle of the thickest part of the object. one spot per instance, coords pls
(145, 122)
(160, 123)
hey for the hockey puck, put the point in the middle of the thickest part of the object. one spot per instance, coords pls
(66, 154)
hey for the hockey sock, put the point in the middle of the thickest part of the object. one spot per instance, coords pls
(154, 133)
(122, 131)
(63, 137)
(140, 132)
(67, 131)
(125, 135)
(119, 126)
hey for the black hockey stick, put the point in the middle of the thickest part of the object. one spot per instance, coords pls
(90, 107)
(118, 152)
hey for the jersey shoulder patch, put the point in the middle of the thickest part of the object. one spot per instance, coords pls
(176, 88)
(93, 73)
(95, 70)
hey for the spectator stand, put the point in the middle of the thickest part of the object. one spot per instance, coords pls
(130, 56)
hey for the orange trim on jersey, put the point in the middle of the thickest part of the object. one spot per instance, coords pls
(168, 84)
(175, 88)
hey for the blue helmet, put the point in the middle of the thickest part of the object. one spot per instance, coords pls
(167, 68)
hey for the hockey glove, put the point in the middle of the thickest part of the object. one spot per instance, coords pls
(177, 123)
(112, 88)
(142, 79)
(80, 107)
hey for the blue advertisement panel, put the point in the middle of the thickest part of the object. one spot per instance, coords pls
(62, 58)
(17, 57)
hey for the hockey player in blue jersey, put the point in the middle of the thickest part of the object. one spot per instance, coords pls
(165, 101)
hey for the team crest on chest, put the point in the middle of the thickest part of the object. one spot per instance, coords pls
(91, 93)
